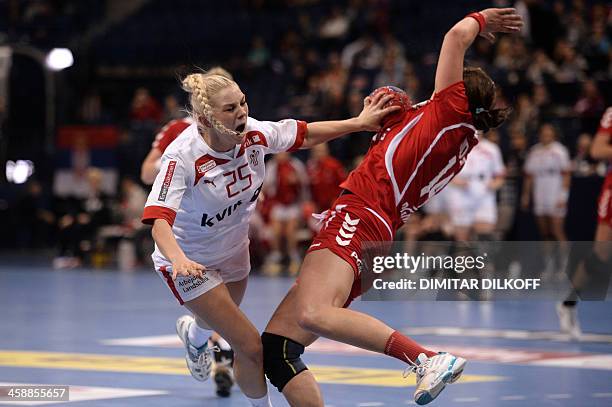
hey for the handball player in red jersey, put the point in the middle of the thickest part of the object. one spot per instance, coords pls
(412, 158)
(593, 281)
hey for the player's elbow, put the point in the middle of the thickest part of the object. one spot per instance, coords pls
(147, 177)
(459, 36)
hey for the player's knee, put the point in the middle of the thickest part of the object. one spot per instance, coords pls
(311, 319)
(249, 347)
(282, 360)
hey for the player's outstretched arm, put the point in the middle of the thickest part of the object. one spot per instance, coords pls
(165, 240)
(370, 118)
(459, 38)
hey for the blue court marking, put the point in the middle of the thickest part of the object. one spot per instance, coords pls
(72, 311)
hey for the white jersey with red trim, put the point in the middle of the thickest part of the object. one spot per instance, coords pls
(547, 164)
(483, 164)
(207, 196)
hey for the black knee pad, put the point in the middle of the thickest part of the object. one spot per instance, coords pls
(282, 360)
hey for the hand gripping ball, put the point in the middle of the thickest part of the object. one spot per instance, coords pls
(400, 98)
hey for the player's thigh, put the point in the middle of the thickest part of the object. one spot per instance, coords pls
(284, 321)
(237, 289)
(325, 279)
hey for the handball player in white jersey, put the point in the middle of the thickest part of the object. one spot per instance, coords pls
(547, 170)
(547, 181)
(471, 195)
(200, 204)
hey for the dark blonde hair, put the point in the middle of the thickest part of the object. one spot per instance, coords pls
(480, 91)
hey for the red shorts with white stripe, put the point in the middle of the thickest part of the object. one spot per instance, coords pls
(604, 205)
(354, 232)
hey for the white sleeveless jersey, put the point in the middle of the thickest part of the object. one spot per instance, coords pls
(483, 164)
(208, 197)
(547, 164)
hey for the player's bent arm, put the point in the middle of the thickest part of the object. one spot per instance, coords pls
(459, 38)
(601, 149)
(456, 42)
(150, 166)
(165, 240)
(369, 119)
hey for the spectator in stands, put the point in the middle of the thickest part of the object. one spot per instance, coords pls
(80, 220)
(572, 66)
(590, 106)
(172, 109)
(145, 107)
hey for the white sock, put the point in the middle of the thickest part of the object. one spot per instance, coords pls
(262, 402)
(223, 344)
(198, 336)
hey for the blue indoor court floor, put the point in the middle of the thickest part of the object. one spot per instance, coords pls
(110, 336)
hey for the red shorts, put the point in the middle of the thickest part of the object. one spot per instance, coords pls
(346, 230)
(604, 205)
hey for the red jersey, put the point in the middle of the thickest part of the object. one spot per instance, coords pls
(170, 132)
(604, 205)
(416, 158)
(325, 178)
(605, 126)
(286, 181)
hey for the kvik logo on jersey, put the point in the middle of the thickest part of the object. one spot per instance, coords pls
(167, 181)
(206, 163)
(347, 231)
(227, 212)
(209, 221)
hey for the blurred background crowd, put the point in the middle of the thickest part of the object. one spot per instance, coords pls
(73, 140)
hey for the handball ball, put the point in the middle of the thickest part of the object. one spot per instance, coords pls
(400, 98)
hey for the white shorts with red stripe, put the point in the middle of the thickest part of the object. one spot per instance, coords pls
(232, 269)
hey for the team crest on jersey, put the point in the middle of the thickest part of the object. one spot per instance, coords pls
(252, 138)
(205, 164)
(254, 157)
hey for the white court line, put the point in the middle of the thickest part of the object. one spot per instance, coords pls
(512, 398)
(371, 404)
(504, 333)
(559, 396)
(602, 395)
(466, 399)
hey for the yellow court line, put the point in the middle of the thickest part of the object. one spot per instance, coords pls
(176, 366)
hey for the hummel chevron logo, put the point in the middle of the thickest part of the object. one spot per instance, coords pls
(352, 222)
(347, 231)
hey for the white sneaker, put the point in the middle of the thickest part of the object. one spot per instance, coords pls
(199, 360)
(433, 374)
(568, 321)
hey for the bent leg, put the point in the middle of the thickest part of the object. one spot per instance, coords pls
(217, 310)
(301, 389)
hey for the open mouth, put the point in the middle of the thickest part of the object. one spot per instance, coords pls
(241, 127)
